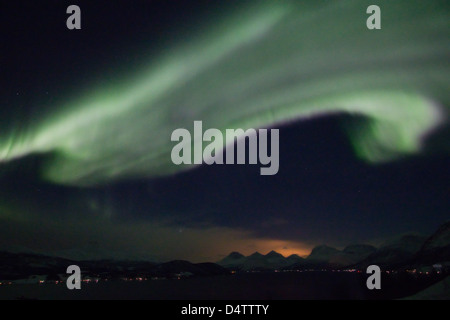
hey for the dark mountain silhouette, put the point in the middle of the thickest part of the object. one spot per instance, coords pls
(256, 261)
(394, 253)
(322, 254)
(20, 266)
(386, 258)
(294, 258)
(404, 252)
(436, 248)
(351, 254)
(14, 265)
(256, 255)
(232, 260)
(359, 249)
(276, 259)
(413, 251)
(274, 255)
(236, 255)
(410, 243)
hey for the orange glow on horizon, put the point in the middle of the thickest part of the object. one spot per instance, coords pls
(286, 248)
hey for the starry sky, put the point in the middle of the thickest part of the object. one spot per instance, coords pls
(86, 117)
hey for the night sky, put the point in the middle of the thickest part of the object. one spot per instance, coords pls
(85, 166)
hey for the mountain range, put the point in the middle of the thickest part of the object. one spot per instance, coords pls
(272, 260)
(403, 252)
(406, 251)
(15, 266)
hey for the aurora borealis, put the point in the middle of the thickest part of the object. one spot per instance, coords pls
(269, 64)
(236, 77)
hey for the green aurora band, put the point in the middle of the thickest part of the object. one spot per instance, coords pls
(262, 66)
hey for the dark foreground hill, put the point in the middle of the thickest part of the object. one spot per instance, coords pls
(22, 266)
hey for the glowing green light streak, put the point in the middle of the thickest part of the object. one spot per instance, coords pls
(277, 63)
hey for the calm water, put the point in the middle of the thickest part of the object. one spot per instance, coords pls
(258, 286)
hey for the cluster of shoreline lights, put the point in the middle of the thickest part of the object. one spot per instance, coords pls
(426, 271)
